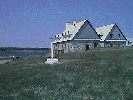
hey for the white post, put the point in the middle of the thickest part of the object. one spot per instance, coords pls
(51, 49)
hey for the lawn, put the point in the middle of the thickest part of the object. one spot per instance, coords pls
(98, 74)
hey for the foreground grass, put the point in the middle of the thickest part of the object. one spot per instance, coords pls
(96, 74)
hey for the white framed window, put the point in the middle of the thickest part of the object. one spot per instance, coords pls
(111, 35)
(119, 36)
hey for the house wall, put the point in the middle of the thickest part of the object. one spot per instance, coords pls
(65, 46)
(101, 44)
(75, 45)
(81, 44)
(115, 43)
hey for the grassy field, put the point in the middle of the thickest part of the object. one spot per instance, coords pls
(98, 74)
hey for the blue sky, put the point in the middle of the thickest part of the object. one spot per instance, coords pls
(30, 23)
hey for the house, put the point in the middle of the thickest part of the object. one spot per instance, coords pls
(129, 42)
(82, 36)
(76, 37)
(111, 36)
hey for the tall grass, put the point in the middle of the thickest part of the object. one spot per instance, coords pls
(102, 73)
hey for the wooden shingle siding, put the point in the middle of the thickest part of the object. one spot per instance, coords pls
(115, 38)
(86, 32)
(115, 43)
(116, 34)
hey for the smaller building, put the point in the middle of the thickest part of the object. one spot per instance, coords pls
(129, 42)
(111, 36)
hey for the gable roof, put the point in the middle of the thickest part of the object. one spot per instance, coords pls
(86, 32)
(72, 29)
(69, 32)
(104, 31)
(120, 31)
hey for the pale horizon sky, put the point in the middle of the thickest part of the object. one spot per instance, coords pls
(30, 23)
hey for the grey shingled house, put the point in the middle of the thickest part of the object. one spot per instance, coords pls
(77, 36)
(82, 36)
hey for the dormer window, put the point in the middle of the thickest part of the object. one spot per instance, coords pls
(100, 35)
(111, 35)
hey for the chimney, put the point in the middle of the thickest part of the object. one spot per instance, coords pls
(74, 22)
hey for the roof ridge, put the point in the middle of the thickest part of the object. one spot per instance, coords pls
(105, 25)
(105, 30)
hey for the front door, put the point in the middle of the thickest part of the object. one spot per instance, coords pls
(111, 45)
(68, 47)
(95, 45)
(87, 47)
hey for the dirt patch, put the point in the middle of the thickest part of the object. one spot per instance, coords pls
(66, 61)
(3, 61)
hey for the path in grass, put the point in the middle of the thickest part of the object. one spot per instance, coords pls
(3, 61)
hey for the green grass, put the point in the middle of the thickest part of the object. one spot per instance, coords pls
(98, 74)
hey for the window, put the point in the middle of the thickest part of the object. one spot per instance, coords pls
(111, 45)
(62, 46)
(87, 47)
(95, 45)
(119, 35)
(111, 35)
(68, 47)
(62, 34)
(68, 32)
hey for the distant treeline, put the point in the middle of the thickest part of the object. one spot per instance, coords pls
(9, 49)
